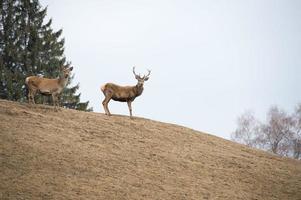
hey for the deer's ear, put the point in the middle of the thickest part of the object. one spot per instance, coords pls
(146, 78)
(137, 77)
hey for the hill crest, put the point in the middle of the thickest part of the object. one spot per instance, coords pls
(77, 155)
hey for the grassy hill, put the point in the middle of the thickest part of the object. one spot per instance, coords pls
(76, 155)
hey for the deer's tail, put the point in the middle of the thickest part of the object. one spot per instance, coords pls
(103, 87)
(27, 80)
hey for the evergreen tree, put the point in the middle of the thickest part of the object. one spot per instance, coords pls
(29, 46)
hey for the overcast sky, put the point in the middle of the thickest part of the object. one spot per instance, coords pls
(210, 60)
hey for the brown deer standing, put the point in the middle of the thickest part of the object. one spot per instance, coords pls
(46, 86)
(123, 93)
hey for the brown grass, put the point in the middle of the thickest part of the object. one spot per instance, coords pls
(76, 155)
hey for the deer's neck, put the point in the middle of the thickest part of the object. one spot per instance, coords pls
(63, 81)
(139, 89)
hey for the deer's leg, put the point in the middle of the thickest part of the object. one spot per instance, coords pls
(105, 103)
(45, 99)
(54, 99)
(31, 94)
(130, 108)
(57, 100)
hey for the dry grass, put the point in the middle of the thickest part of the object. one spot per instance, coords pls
(77, 155)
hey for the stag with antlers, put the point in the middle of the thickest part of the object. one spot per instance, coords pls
(123, 93)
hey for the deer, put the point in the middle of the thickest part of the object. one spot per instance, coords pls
(46, 86)
(123, 93)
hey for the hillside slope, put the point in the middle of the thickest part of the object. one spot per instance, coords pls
(77, 155)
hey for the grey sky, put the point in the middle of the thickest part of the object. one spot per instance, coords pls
(210, 60)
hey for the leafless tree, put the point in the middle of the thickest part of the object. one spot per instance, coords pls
(247, 130)
(296, 138)
(278, 131)
(280, 134)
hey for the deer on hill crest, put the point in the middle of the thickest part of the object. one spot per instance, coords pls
(46, 86)
(123, 93)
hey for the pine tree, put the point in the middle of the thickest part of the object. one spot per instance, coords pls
(8, 58)
(29, 47)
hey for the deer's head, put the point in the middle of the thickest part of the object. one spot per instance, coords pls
(140, 78)
(66, 71)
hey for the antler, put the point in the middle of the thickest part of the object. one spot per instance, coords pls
(149, 72)
(145, 76)
(134, 71)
